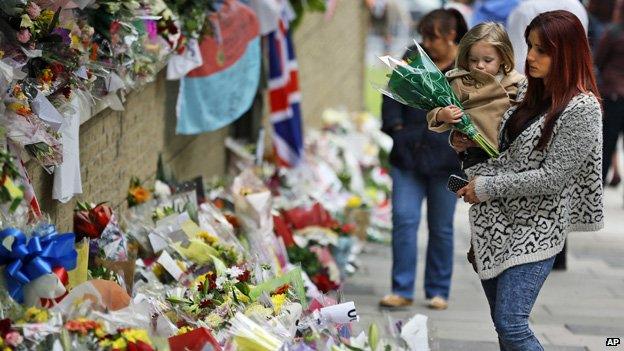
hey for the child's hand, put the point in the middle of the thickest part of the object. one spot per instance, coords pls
(449, 114)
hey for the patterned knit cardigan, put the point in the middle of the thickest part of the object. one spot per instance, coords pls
(532, 198)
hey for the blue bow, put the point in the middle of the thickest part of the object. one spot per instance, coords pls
(29, 259)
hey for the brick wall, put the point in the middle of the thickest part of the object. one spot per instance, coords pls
(331, 60)
(115, 146)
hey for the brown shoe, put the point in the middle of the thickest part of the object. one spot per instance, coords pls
(394, 301)
(437, 303)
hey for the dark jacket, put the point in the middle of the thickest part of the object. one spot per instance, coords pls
(609, 60)
(415, 146)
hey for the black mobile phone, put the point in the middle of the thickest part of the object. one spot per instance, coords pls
(455, 183)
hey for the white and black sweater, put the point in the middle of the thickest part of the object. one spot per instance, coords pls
(531, 198)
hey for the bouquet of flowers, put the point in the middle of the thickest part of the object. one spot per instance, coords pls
(109, 255)
(419, 83)
(193, 15)
(213, 296)
(85, 333)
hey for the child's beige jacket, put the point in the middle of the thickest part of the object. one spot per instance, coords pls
(484, 99)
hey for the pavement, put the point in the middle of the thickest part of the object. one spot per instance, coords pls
(578, 309)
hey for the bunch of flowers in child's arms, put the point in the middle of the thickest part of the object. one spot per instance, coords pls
(420, 84)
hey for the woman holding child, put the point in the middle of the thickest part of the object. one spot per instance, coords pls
(547, 180)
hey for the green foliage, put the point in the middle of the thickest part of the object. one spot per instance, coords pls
(300, 6)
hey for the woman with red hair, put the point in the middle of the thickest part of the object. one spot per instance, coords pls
(547, 180)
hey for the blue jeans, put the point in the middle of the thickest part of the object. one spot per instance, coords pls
(511, 296)
(408, 191)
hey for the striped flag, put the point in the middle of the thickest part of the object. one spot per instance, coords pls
(284, 98)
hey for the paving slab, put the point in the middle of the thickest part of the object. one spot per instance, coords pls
(576, 310)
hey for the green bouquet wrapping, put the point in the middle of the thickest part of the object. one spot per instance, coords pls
(419, 83)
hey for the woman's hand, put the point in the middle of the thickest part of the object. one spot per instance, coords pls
(460, 142)
(468, 193)
(450, 114)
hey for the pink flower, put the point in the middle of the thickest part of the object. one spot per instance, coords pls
(23, 36)
(13, 338)
(33, 10)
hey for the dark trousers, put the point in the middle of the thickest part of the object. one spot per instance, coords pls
(613, 127)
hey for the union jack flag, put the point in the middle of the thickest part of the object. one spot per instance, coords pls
(284, 97)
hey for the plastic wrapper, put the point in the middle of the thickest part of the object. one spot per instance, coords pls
(112, 243)
(252, 201)
(102, 294)
(249, 336)
(420, 84)
(33, 136)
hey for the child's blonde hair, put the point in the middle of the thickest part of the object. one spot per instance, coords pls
(493, 34)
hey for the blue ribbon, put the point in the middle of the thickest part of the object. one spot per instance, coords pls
(29, 259)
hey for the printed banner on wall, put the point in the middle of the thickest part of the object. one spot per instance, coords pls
(223, 87)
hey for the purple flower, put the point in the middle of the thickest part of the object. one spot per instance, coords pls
(23, 36)
(33, 10)
(64, 34)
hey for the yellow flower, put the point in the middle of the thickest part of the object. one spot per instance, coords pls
(35, 315)
(207, 237)
(134, 335)
(75, 42)
(100, 333)
(278, 300)
(46, 16)
(119, 344)
(185, 329)
(258, 309)
(354, 202)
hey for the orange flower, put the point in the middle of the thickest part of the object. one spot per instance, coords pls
(81, 325)
(20, 109)
(47, 76)
(140, 194)
(281, 290)
(23, 111)
(94, 51)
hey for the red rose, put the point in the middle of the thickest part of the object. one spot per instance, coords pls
(115, 26)
(348, 228)
(323, 283)
(100, 216)
(244, 277)
(57, 68)
(83, 227)
(206, 303)
(91, 222)
(142, 346)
